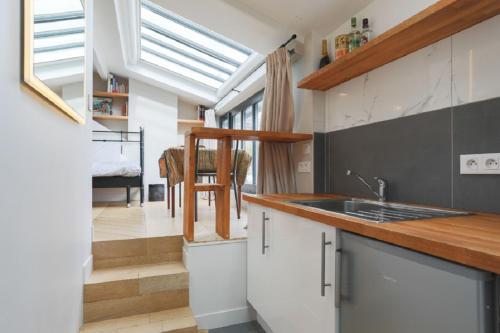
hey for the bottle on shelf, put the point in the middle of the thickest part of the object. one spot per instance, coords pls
(325, 58)
(366, 32)
(354, 35)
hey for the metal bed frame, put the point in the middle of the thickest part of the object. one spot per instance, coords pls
(120, 181)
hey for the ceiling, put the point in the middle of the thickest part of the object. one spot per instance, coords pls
(303, 16)
(260, 25)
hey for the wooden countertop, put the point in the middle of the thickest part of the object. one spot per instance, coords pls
(472, 240)
(247, 135)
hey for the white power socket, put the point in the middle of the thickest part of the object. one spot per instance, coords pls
(480, 164)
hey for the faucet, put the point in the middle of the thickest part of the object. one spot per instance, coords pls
(382, 185)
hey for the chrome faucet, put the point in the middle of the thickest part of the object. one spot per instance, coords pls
(382, 185)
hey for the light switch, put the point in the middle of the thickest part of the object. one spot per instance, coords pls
(307, 148)
(304, 166)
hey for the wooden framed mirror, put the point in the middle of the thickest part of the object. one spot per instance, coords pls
(54, 53)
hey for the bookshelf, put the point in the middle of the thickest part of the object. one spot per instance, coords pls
(114, 98)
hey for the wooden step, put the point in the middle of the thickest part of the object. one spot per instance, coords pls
(131, 290)
(116, 253)
(203, 187)
(179, 320)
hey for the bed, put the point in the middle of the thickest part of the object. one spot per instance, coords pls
(120, 172)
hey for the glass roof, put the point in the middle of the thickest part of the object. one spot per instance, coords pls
(59, 30)
(185, 48)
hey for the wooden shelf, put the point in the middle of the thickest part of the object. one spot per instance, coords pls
(104, 117)
(190, 122)
(202, 187)
(441, 20)
(247, 135)
(110, 94)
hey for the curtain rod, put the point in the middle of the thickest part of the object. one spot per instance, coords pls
(293, 37)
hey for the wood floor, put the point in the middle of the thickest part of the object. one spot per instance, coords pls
(114, 221)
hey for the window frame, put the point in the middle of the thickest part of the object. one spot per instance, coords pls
(240, 109)
(208, 61)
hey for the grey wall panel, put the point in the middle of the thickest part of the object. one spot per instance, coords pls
(411, 153)
(476, 129)
(418, 155)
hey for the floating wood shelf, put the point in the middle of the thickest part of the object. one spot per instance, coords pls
(202, 187)
(105, 117)
(190, 122)
(434, 23)
(110, 94)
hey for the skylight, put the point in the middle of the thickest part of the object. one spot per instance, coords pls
(59, 30)
(185, 48)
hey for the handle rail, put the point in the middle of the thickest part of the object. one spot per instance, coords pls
(324, 243)
(264, 246)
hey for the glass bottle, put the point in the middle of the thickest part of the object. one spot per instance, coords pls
(325, 58)
(354, 36)
(366, 32)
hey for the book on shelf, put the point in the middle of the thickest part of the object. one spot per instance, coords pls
(113, 86)
(102, 106)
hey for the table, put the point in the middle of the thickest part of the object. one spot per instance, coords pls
(222, 186)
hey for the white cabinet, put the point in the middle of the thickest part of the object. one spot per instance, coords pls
(284, 282)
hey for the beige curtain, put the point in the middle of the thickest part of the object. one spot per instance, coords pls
(275, 168)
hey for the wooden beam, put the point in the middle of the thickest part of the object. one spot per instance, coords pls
(202, 187)
(222, 200)
(189, 181)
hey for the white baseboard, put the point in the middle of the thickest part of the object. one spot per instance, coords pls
(225, 318)
(88, 266)
(263, 324)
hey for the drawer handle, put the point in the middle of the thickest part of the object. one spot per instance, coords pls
(264, 246)
(324, 243)
(338, 275)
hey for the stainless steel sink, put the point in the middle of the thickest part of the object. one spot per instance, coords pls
(377, 212)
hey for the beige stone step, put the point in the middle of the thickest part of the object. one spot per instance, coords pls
(179, 320)
(116, 253)
(130, 290)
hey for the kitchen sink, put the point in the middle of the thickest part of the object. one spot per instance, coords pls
(376, 211)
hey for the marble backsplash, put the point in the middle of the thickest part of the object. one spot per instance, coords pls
(460, 69)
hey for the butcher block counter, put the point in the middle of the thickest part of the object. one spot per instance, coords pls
(472, 240)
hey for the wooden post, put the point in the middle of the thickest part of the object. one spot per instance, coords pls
(222, 206)
(189, 181)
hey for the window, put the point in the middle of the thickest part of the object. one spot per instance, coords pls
(246, 116)
(188, 49)
(59, 31)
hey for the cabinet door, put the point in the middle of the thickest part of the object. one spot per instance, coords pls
(312, 311)
(295, 304)
(284, 284)
(258, 263)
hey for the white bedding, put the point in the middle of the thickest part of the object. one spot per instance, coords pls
(119, 168)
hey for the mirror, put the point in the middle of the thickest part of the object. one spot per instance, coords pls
(54, 53)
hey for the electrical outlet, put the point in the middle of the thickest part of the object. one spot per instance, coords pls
(477, 164)
(304, 166)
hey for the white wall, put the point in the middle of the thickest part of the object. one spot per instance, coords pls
(188, 111)
(460, 69)
(45, 201)
(156, 111)
(218, 283)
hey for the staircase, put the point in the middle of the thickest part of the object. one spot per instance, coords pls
(138, 285)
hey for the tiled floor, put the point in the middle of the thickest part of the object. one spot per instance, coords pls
(252, 327)
(113, 221)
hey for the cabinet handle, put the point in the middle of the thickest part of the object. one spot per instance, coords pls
(338, 275)
(264, 246)
(324, 243)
